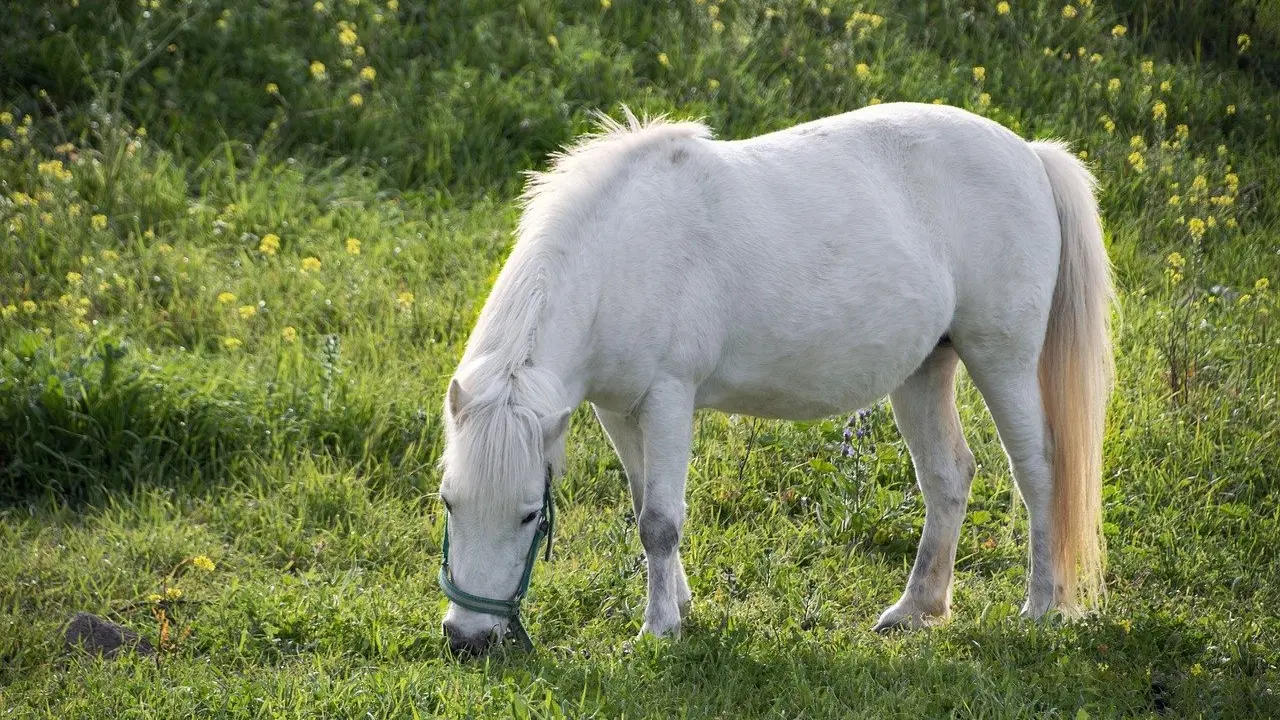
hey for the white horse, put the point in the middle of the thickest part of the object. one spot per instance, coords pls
(794, 275)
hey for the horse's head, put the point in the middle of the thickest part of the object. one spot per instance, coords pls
(498, 460)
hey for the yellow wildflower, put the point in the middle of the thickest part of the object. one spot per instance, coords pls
(1211, 221)
(713, 84)
(310, 263)
(405, 300)
(347, 36)
(984, 99)
(979, 73)
(1197, 669)
(231, 343)
(74, 278)
(317, 70)
(1166, 86)
(1002, 8)
(318, 7)
(1231, 222)
(1243, 41)
(663, 60)
(172, 593)
(368, 73)
(1069, 11)
(6, 118)
(270, 243)
(606, 4)
(289, 334)
(29, 307)
(202, 562)
(862, 70)
(226, 298)
(353, 246)
(110, 255)
(273, 89)
(1182, 131)
(1159, 111)
(356, 100)
(1113, 85)
(1095, 58)
(393, 5)
(1119, 31)
(1175, 200)
(1137, 142)
(1148, 67)
(9, 310)
(247, 311)
(1196, 226)
(154, 597)
(1138, 162)
(1200, 184)
(874, 101)
(1261, 284)
(6, 145)
(99, 222)
(1231, 109)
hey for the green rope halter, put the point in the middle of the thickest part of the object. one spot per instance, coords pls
(509, 609)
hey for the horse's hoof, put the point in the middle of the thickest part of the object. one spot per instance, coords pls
(684, 607)
(901, 617)
(671, 631)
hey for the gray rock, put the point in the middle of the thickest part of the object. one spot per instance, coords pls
(99, 636)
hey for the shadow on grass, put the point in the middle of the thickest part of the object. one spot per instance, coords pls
(1006, 668)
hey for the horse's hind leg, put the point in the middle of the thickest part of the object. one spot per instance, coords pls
(925, 410)
(628, 440)
(1008, 382)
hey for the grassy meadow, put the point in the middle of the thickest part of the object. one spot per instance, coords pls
(241, 247)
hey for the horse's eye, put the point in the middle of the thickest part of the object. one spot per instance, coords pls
(529, 518)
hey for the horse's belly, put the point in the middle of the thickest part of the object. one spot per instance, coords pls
(811, 384)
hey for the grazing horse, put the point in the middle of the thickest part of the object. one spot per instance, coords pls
(793, 275)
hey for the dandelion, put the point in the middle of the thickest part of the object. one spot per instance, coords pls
(663, 60)
(270, 243)
(405, 300)
(29, 307)
(1159, 111)
(202, 562)
(1119, 31)
(1231, 109)
(231, 343)
(862, 70)
(98, 222)
(1002, 8)
(1243, 41)
(1069, 11)
(273, 89)
(368, 73)
(356, 100)
(74, 278)
(1113, 85)
(310, 264)
(984, 99)
(289, 334)
(1196, 227)
(1138, 162)
(317, 70)
(353, 246)
(247, 311)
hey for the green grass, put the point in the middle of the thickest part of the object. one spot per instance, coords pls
(290, 433)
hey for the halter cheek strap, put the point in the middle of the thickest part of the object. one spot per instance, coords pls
(509, 609)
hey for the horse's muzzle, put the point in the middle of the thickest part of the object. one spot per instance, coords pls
(462, 644)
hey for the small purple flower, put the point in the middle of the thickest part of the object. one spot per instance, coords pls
(864, 414)
(846, 450)
(862, 433)
(848, 434)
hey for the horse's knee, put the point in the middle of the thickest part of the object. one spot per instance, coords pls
(659, 534)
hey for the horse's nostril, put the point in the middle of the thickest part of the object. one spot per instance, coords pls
(459, 643)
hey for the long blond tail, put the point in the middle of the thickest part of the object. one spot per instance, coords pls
(1076, 372)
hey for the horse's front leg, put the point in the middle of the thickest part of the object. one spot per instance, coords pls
(666, 421)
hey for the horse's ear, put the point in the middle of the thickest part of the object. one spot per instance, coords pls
(456, 398)
(555, 425)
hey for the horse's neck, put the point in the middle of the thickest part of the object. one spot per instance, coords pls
(540, 315)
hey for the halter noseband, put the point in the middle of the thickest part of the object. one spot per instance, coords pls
(509, 609)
